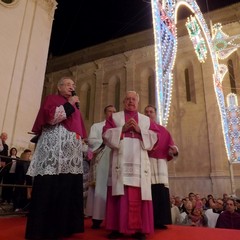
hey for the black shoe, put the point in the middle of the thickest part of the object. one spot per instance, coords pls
(115, 235)
(95, 226)
(139, 236)
(161, 226)
(96, 223)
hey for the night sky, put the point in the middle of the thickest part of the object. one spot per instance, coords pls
(83, 23)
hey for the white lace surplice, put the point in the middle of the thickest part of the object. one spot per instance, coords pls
(57, 151)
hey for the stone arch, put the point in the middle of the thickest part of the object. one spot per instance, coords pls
(147, 87)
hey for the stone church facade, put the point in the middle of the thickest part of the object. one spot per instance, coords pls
(104, 72)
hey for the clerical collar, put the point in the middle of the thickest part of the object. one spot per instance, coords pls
(130, 112)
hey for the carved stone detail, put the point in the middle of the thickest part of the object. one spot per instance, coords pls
(48, 5)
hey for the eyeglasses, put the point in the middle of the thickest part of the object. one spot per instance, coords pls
(69, 85)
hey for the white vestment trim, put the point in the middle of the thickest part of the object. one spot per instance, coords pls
(130, 161)
(159, 171)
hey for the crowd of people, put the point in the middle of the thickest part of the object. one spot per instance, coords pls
(220, 212)
(117, 173)
(16, 185)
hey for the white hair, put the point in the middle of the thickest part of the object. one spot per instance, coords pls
(134, 92)
(61, 80)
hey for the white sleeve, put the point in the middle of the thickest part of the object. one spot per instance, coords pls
(149, 138)
(112, 137)
(59, 115)
(95, 137)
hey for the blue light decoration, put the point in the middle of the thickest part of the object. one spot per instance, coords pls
(233, 114)
(165, 53)
(164, 14)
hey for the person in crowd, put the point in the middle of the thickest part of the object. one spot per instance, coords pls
(179, 203)
(175, 212)
(210, 201)
(192, 198)
(183, 207)
(9, 176)
(229, 218)
(225, 198)
(99, 167)
(212, 214)
(196, 218)
(56, 208)
(237, 205)
(187, 210)
(22, 195)
(204, 202)
(3, 152)
(199, 203)
(129, 202)
(163, 151)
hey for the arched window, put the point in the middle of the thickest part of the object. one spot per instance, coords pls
(232, 100)
(187, 84)
(231, 76)
(190, 85)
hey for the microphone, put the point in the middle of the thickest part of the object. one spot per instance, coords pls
(76, 103)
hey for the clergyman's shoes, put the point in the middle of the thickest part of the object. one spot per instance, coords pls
(115, 235)
(161, 226)
(139, 236)
(96, 223)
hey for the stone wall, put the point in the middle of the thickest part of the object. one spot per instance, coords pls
(25, 33)
(105, 72)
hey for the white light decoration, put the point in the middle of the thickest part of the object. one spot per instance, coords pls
(165, 53)
(165, 36)
(198, 41)
(224, 45)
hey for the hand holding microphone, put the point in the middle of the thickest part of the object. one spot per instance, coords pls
(75, 100)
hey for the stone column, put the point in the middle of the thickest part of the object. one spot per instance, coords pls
(25, 48)
(100, 88)
(130, 71)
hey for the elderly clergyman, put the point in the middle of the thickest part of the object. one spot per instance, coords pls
(129, 202)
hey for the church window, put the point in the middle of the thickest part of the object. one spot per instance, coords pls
(187, 84)
(190, 85)
(231, 76)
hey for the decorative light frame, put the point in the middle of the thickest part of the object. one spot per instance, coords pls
(164, 14)
(195, 34)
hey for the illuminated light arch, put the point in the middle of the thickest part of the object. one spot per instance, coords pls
(233, 113)
(165, 36)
